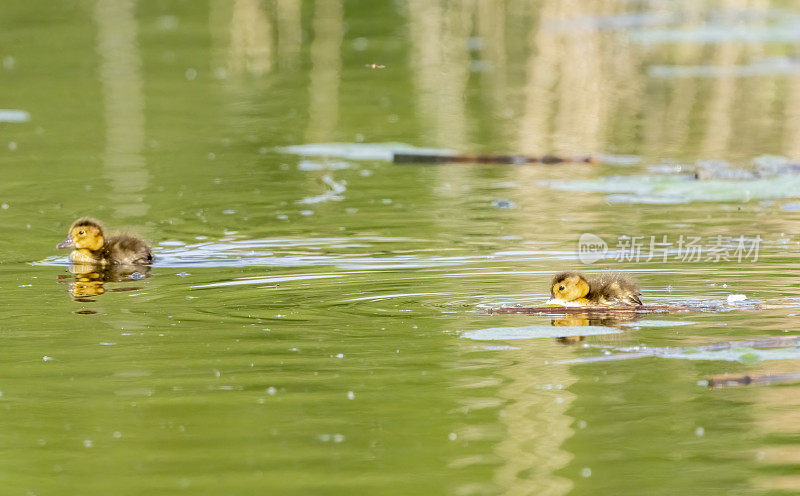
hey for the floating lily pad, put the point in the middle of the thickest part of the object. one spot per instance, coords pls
(657, 323)
(360, 151)
(536, 332)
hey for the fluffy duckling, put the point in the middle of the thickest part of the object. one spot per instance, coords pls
(604, 289)
(92, 247)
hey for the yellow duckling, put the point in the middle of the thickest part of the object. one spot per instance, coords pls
(604, 289)
(92, 247)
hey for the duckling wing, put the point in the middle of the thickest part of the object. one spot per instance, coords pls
(630, 299)
(124, 249)
(616, 288)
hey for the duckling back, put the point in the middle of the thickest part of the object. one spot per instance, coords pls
(124, 249)
(614, 288)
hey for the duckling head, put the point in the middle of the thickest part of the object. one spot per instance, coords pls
(84, 234)
(569, 286)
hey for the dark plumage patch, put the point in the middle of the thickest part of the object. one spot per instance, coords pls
(565, 275)
(124, 249)
(614, 287)
(86, 222)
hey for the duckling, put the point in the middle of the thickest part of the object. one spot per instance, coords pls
(92, 247)
(605, 289)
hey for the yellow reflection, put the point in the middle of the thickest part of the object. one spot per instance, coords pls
(770, 389)
(290, 32)
(536, 421)
(89, 280)
(250, 39)
(121, 78)
(574, 321)
(777, 416)
(439, 31)
(491, 21)
(326, 61)
(791, 134)
(719, 113)
(242, 39)
(668, 125)
(577, 77)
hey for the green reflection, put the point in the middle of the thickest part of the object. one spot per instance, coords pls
(300, 346)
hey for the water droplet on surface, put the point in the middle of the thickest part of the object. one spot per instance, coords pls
(504, 203)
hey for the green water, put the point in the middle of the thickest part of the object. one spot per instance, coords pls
(305, 329)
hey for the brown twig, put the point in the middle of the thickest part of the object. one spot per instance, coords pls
(602, 310)
(418, 158)
(730, 380)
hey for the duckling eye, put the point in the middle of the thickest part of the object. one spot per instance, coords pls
(80, 232)
(561, 288)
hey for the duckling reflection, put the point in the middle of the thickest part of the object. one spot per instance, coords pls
(86, 285)
(89, 279)
(571, 321)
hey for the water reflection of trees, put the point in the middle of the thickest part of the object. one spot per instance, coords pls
(123, 98)
(537, 77)
(553, 76)
(536, 421)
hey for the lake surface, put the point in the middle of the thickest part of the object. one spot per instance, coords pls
(316, 319)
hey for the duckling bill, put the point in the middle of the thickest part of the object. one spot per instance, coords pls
(604, 289)
(91, 246)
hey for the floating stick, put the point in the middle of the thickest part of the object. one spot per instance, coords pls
(730, 380)
(418, 158)
(603, 310)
